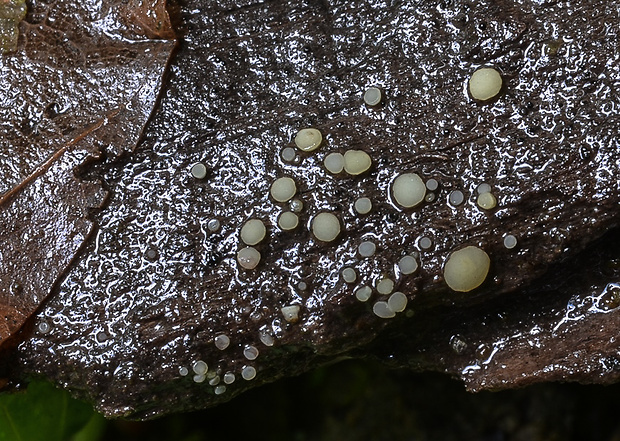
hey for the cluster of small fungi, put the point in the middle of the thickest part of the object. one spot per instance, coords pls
(465, 269)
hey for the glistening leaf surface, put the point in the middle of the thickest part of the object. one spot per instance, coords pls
(83, 81)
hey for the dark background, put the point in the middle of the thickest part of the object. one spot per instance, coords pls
(360, 400)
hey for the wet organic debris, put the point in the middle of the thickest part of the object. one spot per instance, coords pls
(527, 176)
(65, 102)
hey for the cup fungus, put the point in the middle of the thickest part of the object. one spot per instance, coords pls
(248, 258)
(356, 162)
(308, 139)
(288, 221)
(253, 232)
(466, 269)
(408, 190)
(485, 84)
(283, 189)
(373, 96)
(334, 163)
(325, 227)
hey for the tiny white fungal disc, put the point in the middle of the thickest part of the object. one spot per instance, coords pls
(510, 241)
(363, 294)
(253, 231)
(363, 205)
(382, 310)
(183, 371)
(425, 243)
(250, 352)
(373, 96)
(334, 163)
(283, 189)
(397, 302)
(483, 188)
(308, 139)
(44, 327)
(296, 205)
(200, 367)
(288, 221)
(367, 249)
(430, 197)
(466, 269)
(219, 390)
(248, 373)
(385, 286)
(302, 286)
(408, 190)
(266, 338)
(290, 313)
(356, 162)
(199, 170)
(288, 154)
(456, 198)
(213, 225)
(199, 378)
(349, 275)
(222, 341)
(325, 227)
(432, 184)
(101, 337)
(487, 201)
(485, 84)
(408, 265)
(215, 380)
(229, 378)
(248, 258)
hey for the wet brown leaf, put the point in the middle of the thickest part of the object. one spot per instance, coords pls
(83, 82)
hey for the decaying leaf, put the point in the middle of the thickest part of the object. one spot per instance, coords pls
(164, 313)
(82, 83)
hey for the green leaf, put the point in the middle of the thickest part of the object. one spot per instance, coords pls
(42, 412)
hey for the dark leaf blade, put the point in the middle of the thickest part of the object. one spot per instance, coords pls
(64, 102)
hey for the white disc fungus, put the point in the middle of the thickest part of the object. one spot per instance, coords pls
(308, 139)
(219, 390)
(456, 198)
(349, 275)
(288, 221)
(248, 373)
(200, 367)
(382, 310)
(290, 313)
(367, 248)
(334, 163)
(288, 154)
(356, 162)
(397, 302)
(485, 84)
(222, 341)
(213, 225)
(363, 294)
(466, 269)
(283, 189)
(183, 371)
(199, 170)
(408, 265)
(373, 96)
(510, 241)
(363, 205)
(248, 257)
(425, 243)
(408, 190)
(253, 232)
(385, 286)
(486, 201)
(250, 352)
(325, 227)
(229, 378)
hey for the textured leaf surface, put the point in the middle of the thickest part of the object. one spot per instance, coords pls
(81, 84)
